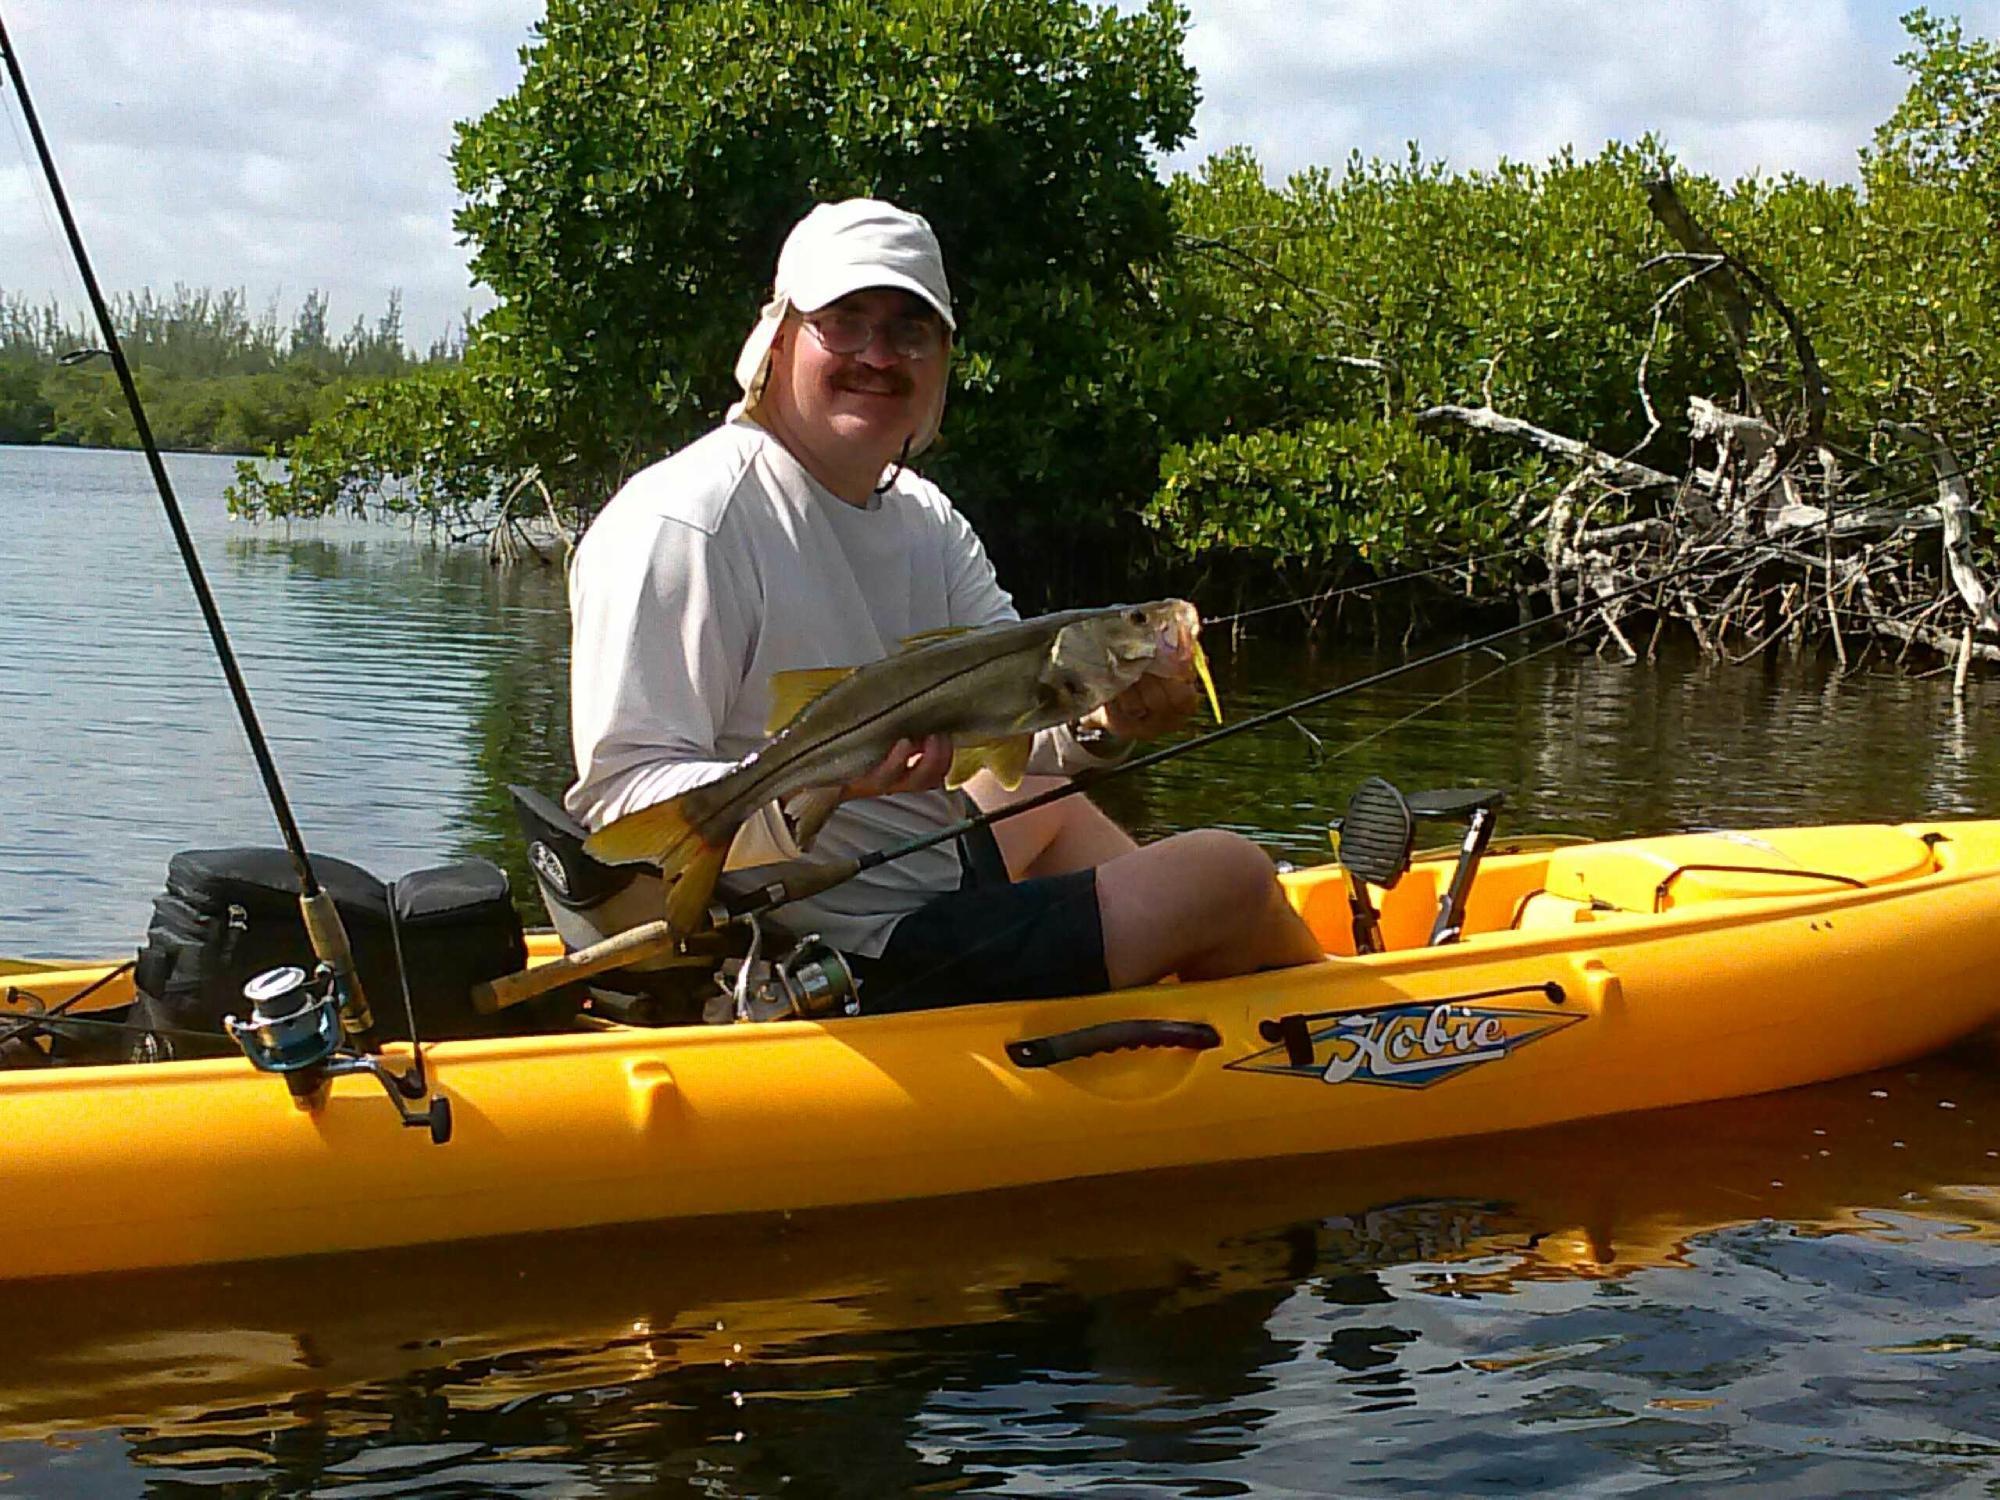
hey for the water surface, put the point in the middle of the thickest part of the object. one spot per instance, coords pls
(1793, 1295)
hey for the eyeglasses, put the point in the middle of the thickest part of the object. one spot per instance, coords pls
(851, 333)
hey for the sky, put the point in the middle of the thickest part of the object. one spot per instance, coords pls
(278, 146)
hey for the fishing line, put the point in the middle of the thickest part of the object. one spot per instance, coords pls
(322, 918)
(1456, 565)
(25, 1024)
(1507, 664)
(66, 271)
(1086, 779)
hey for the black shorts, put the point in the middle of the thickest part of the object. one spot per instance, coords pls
(1029, 940)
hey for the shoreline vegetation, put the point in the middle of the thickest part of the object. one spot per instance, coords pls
(1531, 386)
(215, 377)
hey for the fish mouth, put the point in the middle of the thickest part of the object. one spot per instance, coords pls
(1179, 646)
(1177, 636)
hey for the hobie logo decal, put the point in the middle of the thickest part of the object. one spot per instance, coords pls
(1407, 1046)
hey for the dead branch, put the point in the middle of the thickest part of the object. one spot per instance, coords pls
(1618, 471)
(1955, 511)
(1946, 643)
(1665, 203)
(1726, 284)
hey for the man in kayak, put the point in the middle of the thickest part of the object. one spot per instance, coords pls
(793, 536)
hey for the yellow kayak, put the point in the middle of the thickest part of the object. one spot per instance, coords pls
(1590, 980)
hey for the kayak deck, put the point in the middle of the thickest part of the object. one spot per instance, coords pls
(1593, 980)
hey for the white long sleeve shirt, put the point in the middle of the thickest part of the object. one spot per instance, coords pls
(724, 564)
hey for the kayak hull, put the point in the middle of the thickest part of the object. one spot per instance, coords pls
(1535, 1019)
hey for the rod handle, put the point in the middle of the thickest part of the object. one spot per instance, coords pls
(633, 945)
(328, 935)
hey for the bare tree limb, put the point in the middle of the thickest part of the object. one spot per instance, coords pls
(1621, 472)
(1665, 203)
(1955, 509)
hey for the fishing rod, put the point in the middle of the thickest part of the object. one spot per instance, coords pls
(322, 919)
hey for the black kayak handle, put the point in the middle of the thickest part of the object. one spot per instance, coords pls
(1111, 1036)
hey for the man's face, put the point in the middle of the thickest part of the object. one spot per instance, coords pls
(865, 402)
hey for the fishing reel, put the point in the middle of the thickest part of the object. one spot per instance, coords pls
(294, 1031)
(814, 979)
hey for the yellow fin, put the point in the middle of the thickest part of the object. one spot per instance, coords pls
(1207, 680)
(660, 834)
(1007, 759)
(810, 810)
(931, 637)
(687, 902)
(792, 691)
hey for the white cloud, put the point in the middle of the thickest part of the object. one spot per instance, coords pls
(258, 143)
(282, 145)
(1734, 86)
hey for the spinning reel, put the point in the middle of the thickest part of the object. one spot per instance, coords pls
(294, 1031)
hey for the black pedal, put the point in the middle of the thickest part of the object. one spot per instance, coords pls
(1377, 834)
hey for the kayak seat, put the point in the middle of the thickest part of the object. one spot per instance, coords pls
(589, 901)
(568, 876)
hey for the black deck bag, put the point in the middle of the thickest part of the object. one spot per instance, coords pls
(229, 914)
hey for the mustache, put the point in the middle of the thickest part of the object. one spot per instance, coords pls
(883, 383)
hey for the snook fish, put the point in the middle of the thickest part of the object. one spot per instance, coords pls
(989, 688)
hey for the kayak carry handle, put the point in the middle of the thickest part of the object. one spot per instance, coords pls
(1111, 1036)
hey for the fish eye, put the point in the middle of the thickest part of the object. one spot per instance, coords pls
(1136, 616)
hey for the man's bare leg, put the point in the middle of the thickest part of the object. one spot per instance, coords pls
(1203, 905)
(1070, 834)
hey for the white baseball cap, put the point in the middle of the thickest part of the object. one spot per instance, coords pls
(836, 249)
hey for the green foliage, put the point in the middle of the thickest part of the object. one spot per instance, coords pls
(626, 203)
(1327, 492)
(1350, 303)
(427, 444)
(1899, 290)
(1947, 129)
(25, 413)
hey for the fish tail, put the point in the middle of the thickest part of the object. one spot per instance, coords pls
(687, 903)
(671, 835)
(662, 834)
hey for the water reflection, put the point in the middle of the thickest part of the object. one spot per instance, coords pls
(401, 685)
